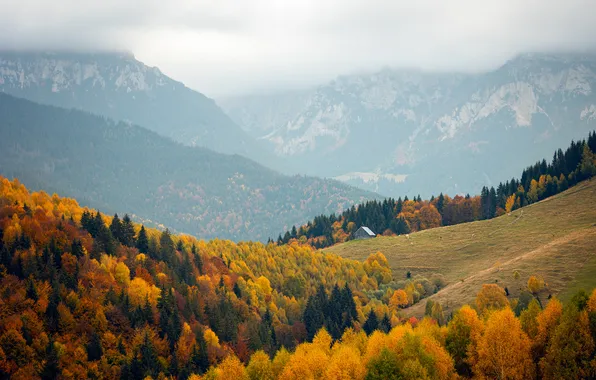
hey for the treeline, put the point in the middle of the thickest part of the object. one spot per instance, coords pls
(492, 339)
(402, 216)
(84, 295)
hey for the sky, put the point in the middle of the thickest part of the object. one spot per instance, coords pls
(236, 47)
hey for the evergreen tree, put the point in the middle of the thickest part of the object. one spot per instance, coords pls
(94, 348)
(385, 324)
(148, 312)
(76, 248)
(198, 259)
(32, 290)
(86, 220)
(51, 369)
(492, 207)
(199, 358)
(440, 203)
(116, 228)
(147, 361)
(167, 249)
(237, 290)
(371, 324)
(128, 232)
(52, 315)
(111, 297)
(313, 318)
(143, 241)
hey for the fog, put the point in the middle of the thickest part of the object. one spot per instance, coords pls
(227, 47)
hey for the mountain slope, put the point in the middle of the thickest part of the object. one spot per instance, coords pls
(117, 166)
(460, 131)
(555, 239)
(120, 87)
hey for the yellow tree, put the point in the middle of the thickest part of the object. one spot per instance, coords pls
(547, 320)
(231, 368)
(592, 302)
(282, 357)
(535, 284)
(529, 319)
(345, 364)
(504, 350)
(139, 291)
(260, 367)
(570, 348)
(491, 297)
(510, 203)
(533, 192)
(463, 333)
(398, 299)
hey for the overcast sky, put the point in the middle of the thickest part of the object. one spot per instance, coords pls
(225, 47)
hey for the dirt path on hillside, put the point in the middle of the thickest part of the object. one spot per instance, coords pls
(457, 294)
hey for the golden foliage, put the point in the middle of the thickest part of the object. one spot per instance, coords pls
(260, 367)
(504, 349)
(139, 291)
(535, 284)
(398, 299)
(491, 297)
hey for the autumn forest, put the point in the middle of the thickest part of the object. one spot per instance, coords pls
(89, 295)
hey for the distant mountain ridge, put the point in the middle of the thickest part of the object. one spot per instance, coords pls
(396, 131)
(116, 85)
(120, 167)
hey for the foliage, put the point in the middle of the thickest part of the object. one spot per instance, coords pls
(79, 276)
(186, 308)
(491, 297)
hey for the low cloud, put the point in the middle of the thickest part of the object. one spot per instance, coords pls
(229, 47)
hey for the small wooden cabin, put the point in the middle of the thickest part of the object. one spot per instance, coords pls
(364, 233)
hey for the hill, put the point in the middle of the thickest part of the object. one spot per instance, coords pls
(116, 85)
(554, 239)
(84, 295)
(121, 167)
(417, 128)
(398, 217)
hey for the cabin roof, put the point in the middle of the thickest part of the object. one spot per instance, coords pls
(368, 230)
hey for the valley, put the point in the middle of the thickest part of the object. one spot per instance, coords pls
(116, 167)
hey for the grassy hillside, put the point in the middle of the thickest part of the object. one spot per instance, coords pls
(555, 239)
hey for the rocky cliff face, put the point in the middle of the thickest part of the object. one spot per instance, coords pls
(118, 86)
(399, 132)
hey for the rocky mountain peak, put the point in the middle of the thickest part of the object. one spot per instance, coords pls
(403, 122)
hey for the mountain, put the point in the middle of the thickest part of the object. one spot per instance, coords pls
(396, 131)
(118, 166)
(120, 87)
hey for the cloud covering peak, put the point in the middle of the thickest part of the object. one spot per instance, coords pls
(225, 47)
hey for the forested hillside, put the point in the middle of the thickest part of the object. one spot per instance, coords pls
(120, 298)
(402, 216)
(83, 295)
(118, 166)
